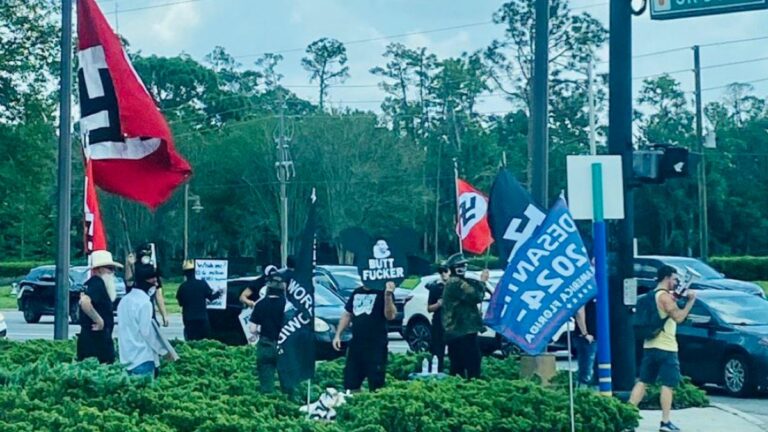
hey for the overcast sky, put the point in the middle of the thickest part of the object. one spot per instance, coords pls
(247, 28)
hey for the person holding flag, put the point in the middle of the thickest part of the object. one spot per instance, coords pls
(266, 322)
(96, 319)
(462, 319)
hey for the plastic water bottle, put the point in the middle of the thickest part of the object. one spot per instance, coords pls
(434, 365)
(424, 366)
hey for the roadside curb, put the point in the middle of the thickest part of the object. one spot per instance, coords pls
(742, 415)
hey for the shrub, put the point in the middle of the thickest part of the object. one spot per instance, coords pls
(746, 268)
(687, 395)
(213, 388)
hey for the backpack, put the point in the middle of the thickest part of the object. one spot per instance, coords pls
(647, 322)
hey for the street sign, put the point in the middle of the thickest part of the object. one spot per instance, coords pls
(580, 187)
(673, 9)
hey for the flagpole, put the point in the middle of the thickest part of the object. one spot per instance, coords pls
(61, 320)
(456, 190)
(570, 380)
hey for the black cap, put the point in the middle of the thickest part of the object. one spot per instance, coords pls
(456, 260)
(144, 271)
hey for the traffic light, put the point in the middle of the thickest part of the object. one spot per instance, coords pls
(661, 162)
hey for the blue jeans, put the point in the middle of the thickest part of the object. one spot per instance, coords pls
(585, 353)
(144, 369)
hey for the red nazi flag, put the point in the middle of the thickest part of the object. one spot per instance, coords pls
(473, 226)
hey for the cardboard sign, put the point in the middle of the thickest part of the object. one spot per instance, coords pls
(380, 263)
(245, 321)
(215, 273)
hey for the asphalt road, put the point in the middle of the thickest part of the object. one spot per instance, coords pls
(18, 329)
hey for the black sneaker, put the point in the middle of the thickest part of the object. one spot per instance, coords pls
(668, 427)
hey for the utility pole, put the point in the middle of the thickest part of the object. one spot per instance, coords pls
(539, 111)
(285, 172)
(702, 171)
(437, 198)
(186, 221)
(61, 317)
(620, 143)
(592, 116)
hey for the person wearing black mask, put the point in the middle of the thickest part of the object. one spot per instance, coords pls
(139, 347)
(434, 305)
(462, 319)
(192, 296)
(266, 322)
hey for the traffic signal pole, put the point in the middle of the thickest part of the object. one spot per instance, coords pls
(61, 317)
(620, 143)
(539, 109)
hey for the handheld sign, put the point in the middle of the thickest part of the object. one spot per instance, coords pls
(215, 273)
(381, 263)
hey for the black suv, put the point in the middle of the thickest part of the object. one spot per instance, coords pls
(37, 292)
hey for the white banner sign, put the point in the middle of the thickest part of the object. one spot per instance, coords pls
(215, 273)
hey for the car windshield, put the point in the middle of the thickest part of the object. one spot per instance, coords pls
(323, 297)
(741, 310)
(704, 270)
(347, 281)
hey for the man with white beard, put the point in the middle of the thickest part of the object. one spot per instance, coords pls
(96, 318)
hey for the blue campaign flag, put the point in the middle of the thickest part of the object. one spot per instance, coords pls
(546, 282)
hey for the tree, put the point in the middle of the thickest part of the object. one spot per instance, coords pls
(268, 69)
(573, 40)
(326, 63)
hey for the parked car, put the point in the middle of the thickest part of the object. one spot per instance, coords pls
(329, 307)
(36, 295)
(418, 321)
(3, 327)
(344, 280)
(647, 266)
(724, 341)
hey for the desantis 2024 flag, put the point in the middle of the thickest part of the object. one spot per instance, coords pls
(547, 280)
(512, 215)
(129, 142)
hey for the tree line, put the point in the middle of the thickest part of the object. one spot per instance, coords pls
(380, 171)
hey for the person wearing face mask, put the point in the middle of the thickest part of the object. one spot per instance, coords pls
(139, 347)
(462, 319)
(96, 318)
(434, 305)
(266, 322)
(192, 296)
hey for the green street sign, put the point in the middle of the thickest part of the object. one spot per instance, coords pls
(672, 9)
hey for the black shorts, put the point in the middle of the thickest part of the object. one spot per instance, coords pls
(660, 365)
(365, 362)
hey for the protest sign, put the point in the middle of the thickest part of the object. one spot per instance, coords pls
(215, 273)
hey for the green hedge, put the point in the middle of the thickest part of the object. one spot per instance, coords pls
(213, 388)
(13, 269)
(748, 268)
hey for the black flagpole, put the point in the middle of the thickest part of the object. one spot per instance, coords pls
(61, 324)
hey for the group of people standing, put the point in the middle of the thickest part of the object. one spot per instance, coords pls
(140, 343)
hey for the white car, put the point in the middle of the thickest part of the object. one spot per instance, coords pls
(3, 327)
(417, 321)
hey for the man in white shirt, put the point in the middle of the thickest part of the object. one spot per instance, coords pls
(140, 346)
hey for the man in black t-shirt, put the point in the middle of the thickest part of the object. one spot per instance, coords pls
(192, 297)
(266, 322)
(434, 305)
(368, 311)
(96, 317)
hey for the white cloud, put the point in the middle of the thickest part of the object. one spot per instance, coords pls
(176, 22)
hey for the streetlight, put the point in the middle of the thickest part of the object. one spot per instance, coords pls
(197, 208)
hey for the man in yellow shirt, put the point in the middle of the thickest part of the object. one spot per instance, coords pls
(660, 362)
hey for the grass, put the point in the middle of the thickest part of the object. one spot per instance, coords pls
(763, 284)
(169, 294)
(7, 301)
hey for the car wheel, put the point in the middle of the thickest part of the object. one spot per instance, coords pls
(31, 315)
(419, 336)
(737, 377)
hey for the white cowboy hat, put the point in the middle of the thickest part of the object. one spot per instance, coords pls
(102, 258)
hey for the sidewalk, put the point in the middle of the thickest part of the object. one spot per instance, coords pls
(717, 418)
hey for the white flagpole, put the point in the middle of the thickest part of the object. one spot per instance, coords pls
(458, 209)
(570, 381)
